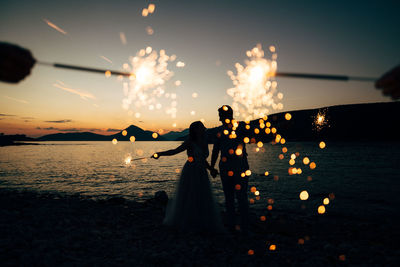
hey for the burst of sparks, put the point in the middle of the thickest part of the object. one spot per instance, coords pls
(255, 90)
(320, 121)
(54, 26)
(149, 87)
(128, 160)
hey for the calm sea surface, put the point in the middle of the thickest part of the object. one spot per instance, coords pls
(363, 176)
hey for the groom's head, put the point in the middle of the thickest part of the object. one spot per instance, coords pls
(225, 112)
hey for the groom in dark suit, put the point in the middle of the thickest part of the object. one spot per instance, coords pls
(233, 166)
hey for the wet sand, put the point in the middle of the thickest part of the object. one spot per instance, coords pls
(43, 229)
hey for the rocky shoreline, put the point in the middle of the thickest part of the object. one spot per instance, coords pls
(47, 229)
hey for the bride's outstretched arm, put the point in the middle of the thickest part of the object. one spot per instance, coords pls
(170, 152)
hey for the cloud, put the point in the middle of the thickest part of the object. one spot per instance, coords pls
(59, 121)
(71, 130)
(68, 129)
(83, 95)
(47, 129)
(113, 130)
(16, 99)
(6, 115)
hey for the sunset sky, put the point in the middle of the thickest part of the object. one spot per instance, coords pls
(359, 38)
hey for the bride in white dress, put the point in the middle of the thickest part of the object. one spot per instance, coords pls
(193, 208)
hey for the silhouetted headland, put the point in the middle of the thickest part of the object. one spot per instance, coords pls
(15, 140)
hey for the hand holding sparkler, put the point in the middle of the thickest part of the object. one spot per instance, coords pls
(16, 63)
(390, 83)
(156, 156)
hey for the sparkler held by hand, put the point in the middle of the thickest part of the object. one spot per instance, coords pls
(277, 74)
(128, 160)
(87, 69)
(18, 62)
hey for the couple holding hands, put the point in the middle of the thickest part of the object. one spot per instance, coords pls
(194, 207)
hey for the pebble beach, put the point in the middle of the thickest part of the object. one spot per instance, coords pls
(49, 229)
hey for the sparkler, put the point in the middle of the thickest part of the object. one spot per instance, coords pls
(148, 87)
(254, 91)
(320, 120)
(129, 159)
(87, 69)
(181, 64)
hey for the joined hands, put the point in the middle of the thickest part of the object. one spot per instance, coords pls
(214, 172)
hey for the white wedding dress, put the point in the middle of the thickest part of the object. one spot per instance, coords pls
(193, 208)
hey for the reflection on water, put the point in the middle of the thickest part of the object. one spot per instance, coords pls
(363, 177)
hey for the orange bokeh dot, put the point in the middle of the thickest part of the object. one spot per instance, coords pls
(250, 252)
(321, 209)
(230, 173)
(238, 187)
(313, 165)
(263, 218)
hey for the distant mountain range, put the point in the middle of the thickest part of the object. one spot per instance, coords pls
(376, 121)
(138, 133)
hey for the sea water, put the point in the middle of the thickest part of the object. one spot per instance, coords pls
(361, 178)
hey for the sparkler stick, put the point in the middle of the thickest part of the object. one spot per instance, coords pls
(277, 74)
(138, 159)
(324, 76)
(80, 68)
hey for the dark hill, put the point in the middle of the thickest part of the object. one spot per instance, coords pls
(174, 135)
(357, 122)
(140, 135)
